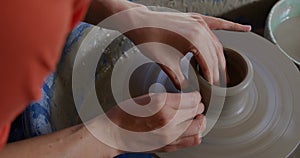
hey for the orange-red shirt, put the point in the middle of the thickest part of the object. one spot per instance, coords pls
(32, 34)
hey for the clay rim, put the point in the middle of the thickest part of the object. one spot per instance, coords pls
(234, 90)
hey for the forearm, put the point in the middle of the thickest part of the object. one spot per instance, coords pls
(101, 9)
(71, 142)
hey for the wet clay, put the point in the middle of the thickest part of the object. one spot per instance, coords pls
(236, 69)
(287, 35)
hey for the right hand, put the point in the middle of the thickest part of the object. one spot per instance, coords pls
(187, 105)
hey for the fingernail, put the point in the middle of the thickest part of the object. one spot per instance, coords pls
(248, 28)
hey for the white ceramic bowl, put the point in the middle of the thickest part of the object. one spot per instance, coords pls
(282, 11)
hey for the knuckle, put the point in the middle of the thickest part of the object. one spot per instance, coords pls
(197, 139)
(194, 14)
(201, 21)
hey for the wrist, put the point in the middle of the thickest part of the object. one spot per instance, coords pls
(97, 129)
(102, 9)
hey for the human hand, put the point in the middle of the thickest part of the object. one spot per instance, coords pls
(180, 132)
(186, 32)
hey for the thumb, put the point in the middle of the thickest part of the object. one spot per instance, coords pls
(175, 74)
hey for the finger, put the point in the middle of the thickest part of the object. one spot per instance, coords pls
(226, 79)
(176, 76)
(220, 70)
(185, 100)
(216, 75)
(205, 68)
(201, 109)
(223, 71)
(166, 115)
(183, 143)
(197, 126)
(186, 116)
(221, 24)
(203, 50)
(217, 51)
(184, 105)
(220, 51)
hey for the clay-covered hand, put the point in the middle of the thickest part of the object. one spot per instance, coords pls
(175, 132)
(162, 34)
(175, 34)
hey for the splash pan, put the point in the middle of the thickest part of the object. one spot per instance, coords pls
(271, 126)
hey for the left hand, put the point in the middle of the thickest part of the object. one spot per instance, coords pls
(180, 33)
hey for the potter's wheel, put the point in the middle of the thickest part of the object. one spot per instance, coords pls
(271, 126)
